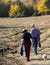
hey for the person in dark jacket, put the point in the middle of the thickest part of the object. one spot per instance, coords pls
(27, 43)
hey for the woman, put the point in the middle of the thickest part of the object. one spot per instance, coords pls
(27, 43)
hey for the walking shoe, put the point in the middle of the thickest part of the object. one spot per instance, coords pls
(36, 53)
(27, 59)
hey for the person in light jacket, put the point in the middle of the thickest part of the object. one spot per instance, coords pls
(35, 32)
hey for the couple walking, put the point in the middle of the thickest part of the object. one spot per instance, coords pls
(35, 36)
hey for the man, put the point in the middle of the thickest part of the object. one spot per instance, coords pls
(35, 32)
(27, 43)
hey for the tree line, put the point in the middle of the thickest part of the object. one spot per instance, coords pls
(24, 9)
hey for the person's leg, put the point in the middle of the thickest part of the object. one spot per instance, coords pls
(35, 46)
(35, 49)
(28, 55)
(27, 51)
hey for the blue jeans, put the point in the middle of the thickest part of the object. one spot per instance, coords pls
(35, 45)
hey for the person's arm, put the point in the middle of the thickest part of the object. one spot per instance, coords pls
(22, 40)
(32, 40)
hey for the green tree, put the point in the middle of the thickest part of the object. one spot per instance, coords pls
(17, 10)
(4, 10)
(47, 3)
(21, 11)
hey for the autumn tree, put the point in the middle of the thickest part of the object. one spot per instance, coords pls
(41, 7)
(17, 10)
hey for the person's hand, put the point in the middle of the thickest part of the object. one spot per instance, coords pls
(32, 42)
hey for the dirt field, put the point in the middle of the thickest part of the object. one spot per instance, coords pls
(10, 40)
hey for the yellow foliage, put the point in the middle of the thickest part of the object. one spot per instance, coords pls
(13, 9)
(6, 1)
(41, 7)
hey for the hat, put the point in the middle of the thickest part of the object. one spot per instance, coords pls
(24, 30)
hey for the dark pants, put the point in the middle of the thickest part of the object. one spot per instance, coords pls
(35, 45)
(27, 50)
